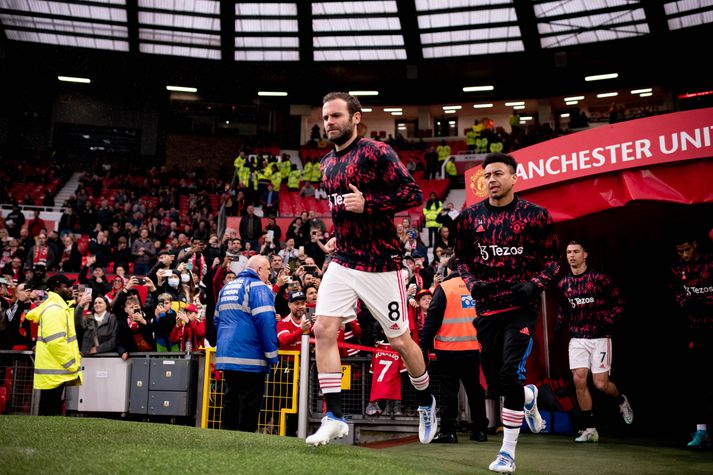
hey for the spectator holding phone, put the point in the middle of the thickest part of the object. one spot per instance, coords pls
(189, 330)
(289, 254)
(291, 328)
(194, 258)
(222, 275)
(164, 319)
(273, 230)
(284, 285)
(100, 326)
(134, 332)
(97, 282)
(117, 284)
(268, 246)
(17, 330)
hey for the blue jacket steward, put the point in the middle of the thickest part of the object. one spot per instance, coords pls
(246, 325)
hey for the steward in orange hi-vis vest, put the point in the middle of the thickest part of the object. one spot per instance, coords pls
(457, 332)
(449, 332)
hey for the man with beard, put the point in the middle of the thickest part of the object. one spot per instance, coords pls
(291, 328)
(366, 183)
(507, 254)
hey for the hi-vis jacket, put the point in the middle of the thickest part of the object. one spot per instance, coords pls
(449, 321)
(57, 357)
(457, 332)
(246, 325)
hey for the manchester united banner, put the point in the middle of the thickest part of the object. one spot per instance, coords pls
(641, 143)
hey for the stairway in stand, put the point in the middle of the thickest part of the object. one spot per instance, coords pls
(455, 196)
(68, 189)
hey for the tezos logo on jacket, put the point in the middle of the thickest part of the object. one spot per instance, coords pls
(466, 301)
(495, 250)
(574, 301)
(335, 199)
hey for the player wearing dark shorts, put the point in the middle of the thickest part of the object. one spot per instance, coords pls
(692, 283)
(507, 254)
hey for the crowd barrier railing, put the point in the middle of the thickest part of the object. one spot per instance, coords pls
(16, 373)
(280, 397)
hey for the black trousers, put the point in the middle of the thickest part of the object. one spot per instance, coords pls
(432, 233)
(51, 401)
(455, 367)
(506, 343)
(242, 400)
(700, 385)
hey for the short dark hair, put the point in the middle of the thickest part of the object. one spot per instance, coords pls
(685, 236)
(353, 104)
(500, 158)
(574, 242)
(452, 264)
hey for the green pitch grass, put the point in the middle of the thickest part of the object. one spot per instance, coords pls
(63, 445)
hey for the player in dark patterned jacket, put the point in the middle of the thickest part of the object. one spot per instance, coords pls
(692, 284)
(507, 254)
(590, 305)
(366, 184)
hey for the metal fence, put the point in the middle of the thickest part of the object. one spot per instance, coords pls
(280, 397)
(16, 374)
(356, 398)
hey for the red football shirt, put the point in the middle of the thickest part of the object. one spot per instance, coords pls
(386, 368)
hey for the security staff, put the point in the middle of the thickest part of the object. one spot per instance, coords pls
(57, 360)
(293, 179)
(450, 332)
(247, 343)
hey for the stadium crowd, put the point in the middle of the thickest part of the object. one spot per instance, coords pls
(147, 264)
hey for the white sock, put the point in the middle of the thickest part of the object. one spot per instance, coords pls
(512, 420)
(510, 440)
(529, 395)
(701, 427)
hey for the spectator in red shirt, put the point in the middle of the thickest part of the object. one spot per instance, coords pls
(189, 331)
(36, 225)
(291, 328)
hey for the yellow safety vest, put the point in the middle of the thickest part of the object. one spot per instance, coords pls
(470, 137)
(293, 180)
(457, 332)
(316, 173)
(57, 358)
(451, 169)
(285, 167)
(244, 175)
(432, 213)
(444, 151)
(276, 180)
(307, 172)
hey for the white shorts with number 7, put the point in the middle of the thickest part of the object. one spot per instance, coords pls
(594, 354)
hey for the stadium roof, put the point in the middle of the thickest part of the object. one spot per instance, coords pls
(415, 47)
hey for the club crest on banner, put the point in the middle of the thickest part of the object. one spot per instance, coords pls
(477, 184)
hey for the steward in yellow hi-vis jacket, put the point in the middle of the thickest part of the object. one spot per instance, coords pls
(57, 360)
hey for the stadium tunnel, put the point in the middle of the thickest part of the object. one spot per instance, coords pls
(628, 219)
